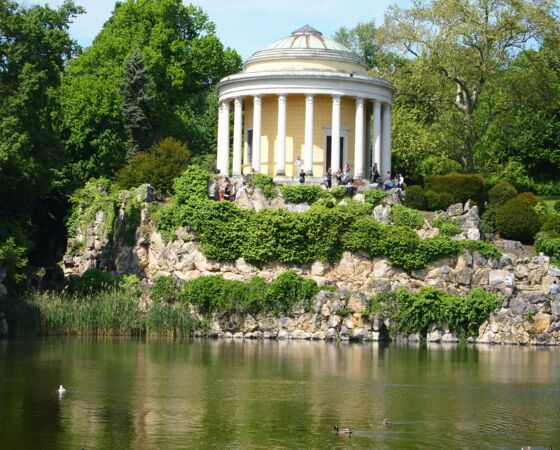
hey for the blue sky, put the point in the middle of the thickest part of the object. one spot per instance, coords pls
(250, 25)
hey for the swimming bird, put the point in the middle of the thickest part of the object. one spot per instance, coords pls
(385, 422)
(339, 430)
(61, 389)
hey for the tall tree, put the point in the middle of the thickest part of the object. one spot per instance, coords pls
(34, 47)
(137, 90)
(458, 49)
(181, 54)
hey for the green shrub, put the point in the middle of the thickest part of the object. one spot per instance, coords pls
(415, 198)
(486, 249)
(516, 219)
(375, 196)
(415, 312)
(13, 260)
(266, 184)
(447, 227)
(302, 193)
(339, 192)
(557, 206)
(461, 187)
(529, 198)
(214, 294)
(488, 220)
(365, 234)
(436, 165)
(437, 201)
(548, 243)
(406, 217)
(159, 166)
(551, 223)
(164, 290)
(192, 184)
(436, 248)
(501, 193)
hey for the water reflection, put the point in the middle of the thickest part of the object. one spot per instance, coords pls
(125, 393)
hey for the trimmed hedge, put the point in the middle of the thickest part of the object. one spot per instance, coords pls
(461, 187)
(406, 217)
(375, 196)
(415, 198)
(501, 193)
(516, 219)
(551, 223)
(548, 243)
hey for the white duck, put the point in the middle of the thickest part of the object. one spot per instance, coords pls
(61, 389)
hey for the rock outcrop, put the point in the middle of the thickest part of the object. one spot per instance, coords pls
(529, 315)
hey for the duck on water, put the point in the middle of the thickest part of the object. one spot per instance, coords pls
(339, 430)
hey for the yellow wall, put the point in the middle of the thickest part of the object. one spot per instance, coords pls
(295, 131)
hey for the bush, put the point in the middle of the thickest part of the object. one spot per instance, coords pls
(406, 217)
(97, 280)
(516, 219)
(551, 223)
(438, 201)
(375, 196)
(266, 184)
(14, 262)
(501, 193)
(557, 206)
(339, 192)
(192, 184)
(214, 294)
(415, 198)
(548, 243)
(447, 227)
(488, 220)
(164, 290)
(365, 234)
(486, 249)
(436, 165)
(461, 187)
(159, 166)
(415, 312)
(302, 193)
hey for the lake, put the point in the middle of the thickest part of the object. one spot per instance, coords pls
(160, 394)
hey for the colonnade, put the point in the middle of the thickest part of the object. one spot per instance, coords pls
(381, 136)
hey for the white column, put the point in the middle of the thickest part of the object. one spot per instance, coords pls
(237, 130)
(308, 156)
(281, 136)
(359, 141)
(377, 137)
(223, 139)
(386, 124)
(335, 135)
(257, 111)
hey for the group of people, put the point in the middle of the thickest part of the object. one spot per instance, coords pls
(396, 182)
(228, 193)
(342, 177)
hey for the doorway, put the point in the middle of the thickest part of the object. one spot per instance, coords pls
(329, 153)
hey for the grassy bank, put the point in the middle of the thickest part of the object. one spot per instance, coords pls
(115, 312)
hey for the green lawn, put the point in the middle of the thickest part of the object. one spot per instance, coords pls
(549, 201)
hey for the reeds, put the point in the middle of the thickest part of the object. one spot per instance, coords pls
(111, 312)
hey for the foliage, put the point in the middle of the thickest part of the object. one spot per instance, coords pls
(164, 290)
(266, 184)
(183, 59)
(501, 193)
(158, 166)
(137, 91)
(339, 192)
(214, 294)
(406, 217)
(516, 219)
(549, 244)
(415, 312)
(192, 184)
(551, 224)
(437, 201)
(436, 165)
(415, 198)
(34, 47)
(486, 249)
(108, 312)
(557, 206)
(447, 227)
(488, 220)
(97, 280)
(14, 262)
(462, 187)
(302, 193)
(375, 196)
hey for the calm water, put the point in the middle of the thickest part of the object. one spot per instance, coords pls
(158, 394)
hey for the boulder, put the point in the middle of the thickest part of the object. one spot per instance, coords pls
(470, 219)
(382, 213)
(393, 197)
(455, 210)
(514, 248)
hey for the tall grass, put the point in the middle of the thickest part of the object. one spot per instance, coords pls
(112, 312)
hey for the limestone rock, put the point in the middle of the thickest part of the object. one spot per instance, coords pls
(393, 197)
(455, 210)
(470, 219)
(509, 247)
(382, 213)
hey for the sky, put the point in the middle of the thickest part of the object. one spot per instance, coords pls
(249, 25)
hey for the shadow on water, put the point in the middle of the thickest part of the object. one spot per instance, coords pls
(158, 393)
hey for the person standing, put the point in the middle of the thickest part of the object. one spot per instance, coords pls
(328, 178)
(302, 176)
(339, 177)
(554, 288)
(299, 164)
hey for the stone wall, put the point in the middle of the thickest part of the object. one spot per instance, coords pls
(529, 315)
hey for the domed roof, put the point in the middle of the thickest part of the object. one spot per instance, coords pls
(307, 37)
(306, 49)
